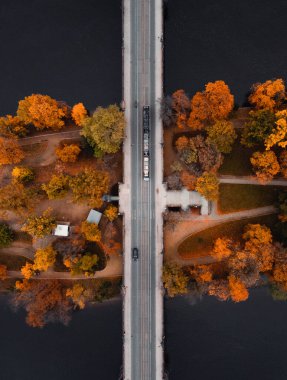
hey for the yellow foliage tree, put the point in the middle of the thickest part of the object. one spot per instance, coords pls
(69, 153)
(42, 111)
(79, 113)
(222, 134)
(268, 95)
(22, 174)
(44, 258)
(11, 126)
(278, 135)
(215, 103)
(111, 212)
(76, 293)
(208, 186)
(91, 231)
(10, 152)
(265, 165)
(27, 271)
(238, 291)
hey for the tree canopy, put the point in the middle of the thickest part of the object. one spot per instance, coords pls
(44, 258)
(40, 226)
(174, 279)
(268, 95)
(105, 129)
(258, 127)
(10, 152)
(79, 113)
(265, 165)
(68, 153)
(208, 186)
(91, 231)
(222, 134)
(42, 111)
(57, 187)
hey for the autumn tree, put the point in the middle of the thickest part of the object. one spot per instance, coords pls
(201, 273)
(238, 291)
(265, 165)
(222, 134)
(268, 95)
(89, 187)
(166, 112)
(258, 127)
(82, 264)
(45, 301)
(181, 107)
(110, 240)
(3, 272)
(15, 197)
(10, 152)
(77, 294)
(111, 212)
(57, 187)
(68, 153)
(208, 186)
(44, 258)
(23, 174)
(12, 126)
(258, 242)
(104, 130)
(40, 226)
(219, 289)
(188, 180)
(6, 235)
(79, 113)
(283, 163)
(223, 248)
(42, 111)
(278, 135)
(28, 270)
(91, 231)
(174, 279)
(198, 154)
(174, 182)
(215, 103)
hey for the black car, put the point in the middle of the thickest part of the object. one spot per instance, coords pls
(135, 253)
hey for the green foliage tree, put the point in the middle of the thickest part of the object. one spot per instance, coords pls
(42, 111)
(57, 187)
(6, 235)
(89, 187)
(23, 174)
(208, 186)
(174, 279)
(104, 130)
(222, 134)
(258, 127)
(91, 231)
(40, 226)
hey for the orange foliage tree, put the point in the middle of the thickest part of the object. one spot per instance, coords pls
(219, 289)
(79, 113)
(42, 111)
(181, 107)
(223, 248)
(45, 301)
(11, 126)
(201, 273)
(10, 152)
(69, 153)
(188, 180)
(238, 291)
(215, 103)
(265, 165)
(268, 95)
(111, 212)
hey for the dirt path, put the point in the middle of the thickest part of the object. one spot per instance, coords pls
(249, 180)
(183, 229)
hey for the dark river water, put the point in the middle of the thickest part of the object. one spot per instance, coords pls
(68, 49)
(89, 348)
(215, 340)
(239, 41)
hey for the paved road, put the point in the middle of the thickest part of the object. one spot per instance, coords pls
(143, 362)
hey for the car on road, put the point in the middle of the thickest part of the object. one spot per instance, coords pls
(135, 254)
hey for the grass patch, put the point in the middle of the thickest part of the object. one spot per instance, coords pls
(244, 197)
(238, 161)
(201, 243)
(13, 262)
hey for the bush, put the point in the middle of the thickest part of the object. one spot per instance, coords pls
(69, 153)
(22, 174)
(6, 235)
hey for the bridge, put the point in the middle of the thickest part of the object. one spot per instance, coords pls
(141, 202)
